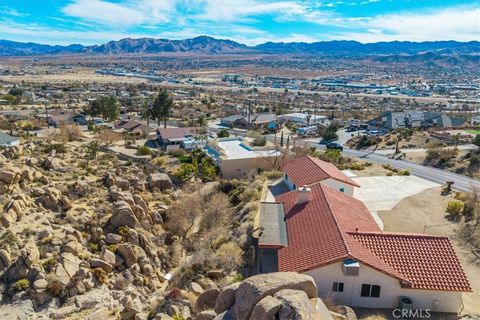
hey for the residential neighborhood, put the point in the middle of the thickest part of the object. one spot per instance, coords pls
(239, 160)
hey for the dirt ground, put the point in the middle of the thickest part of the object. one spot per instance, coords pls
(427, 210)
(372, 170)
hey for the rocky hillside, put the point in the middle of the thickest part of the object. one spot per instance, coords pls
(85, 237)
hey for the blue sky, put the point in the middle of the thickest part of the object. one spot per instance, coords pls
(246, 21)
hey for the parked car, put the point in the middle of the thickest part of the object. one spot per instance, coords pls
(335, 146)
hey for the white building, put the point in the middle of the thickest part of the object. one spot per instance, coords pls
(301, 118)
(238, 160)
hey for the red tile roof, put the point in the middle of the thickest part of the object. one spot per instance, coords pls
(428, 262)
(306, 170)
(333, 226)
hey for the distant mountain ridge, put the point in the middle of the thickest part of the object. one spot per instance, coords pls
(209, 45)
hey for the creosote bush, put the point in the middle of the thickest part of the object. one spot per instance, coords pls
(21, 285)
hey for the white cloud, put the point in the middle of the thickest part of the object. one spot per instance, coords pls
(241, 10)
(133, 12)
(41, 34)
(458, 23)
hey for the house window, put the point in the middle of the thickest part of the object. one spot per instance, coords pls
(342, 189)
(370, 290)
(337, 287)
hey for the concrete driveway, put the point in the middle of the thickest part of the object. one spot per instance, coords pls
(383, 193)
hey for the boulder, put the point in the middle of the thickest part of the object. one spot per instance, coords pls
(108, 256)
(123, 216)
(206, 315)
(99, 263)
(295, 305)
(266, 309)
(9, 176)
(113, 238)
(4, 259)
(127, 252)
(195, 288)
(255, 288)
(159, 181)
(207, 299)
(226, 298)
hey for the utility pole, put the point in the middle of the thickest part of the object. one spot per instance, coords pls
(46, 114)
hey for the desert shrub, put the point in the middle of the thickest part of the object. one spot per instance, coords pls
(405, 172)
(123, 231)
(21, 285)
(55, 288)
(49, 264)
(101, 275)
(58, 147)
(439, 157)
(230, 256)
(177, 152)
(112, 247)
(238, 278)
(454, 210)
(69, 132)
(143, 151)
(259, 141)
(94, 247)
(223, 133)
(272, 175)
(158, 161)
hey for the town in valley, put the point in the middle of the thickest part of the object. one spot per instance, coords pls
(204, 178)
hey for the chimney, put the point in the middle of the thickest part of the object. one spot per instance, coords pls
(304, 194)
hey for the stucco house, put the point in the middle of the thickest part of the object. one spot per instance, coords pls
(332, 236)
(236, 159)
(307, 171)
(176, 138)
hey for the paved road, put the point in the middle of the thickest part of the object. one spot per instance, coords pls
(461, 182)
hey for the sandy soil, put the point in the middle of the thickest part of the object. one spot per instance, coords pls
(427, 210)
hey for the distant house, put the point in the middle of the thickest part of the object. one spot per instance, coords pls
(332, 237)
(303, 119)
(307, 171)
(8, 141)
(175, 138)
(263, 121)
(475, 122)
(56, 117)
(231, 110)
(235, 121)
(415, 119)
(133, 126)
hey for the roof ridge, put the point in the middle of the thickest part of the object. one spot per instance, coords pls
(337, 225)
(398, 234)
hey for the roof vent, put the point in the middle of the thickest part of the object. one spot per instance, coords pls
(304, 194)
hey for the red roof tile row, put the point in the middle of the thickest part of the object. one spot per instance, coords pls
(306, 170)
(333, 226)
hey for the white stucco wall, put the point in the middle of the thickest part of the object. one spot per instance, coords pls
(390, 292)
(288, 182)
(337, 185)
(244, 168)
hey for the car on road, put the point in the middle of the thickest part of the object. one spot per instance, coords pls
(335, 146)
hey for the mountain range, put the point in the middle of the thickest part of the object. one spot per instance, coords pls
(209, 45)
